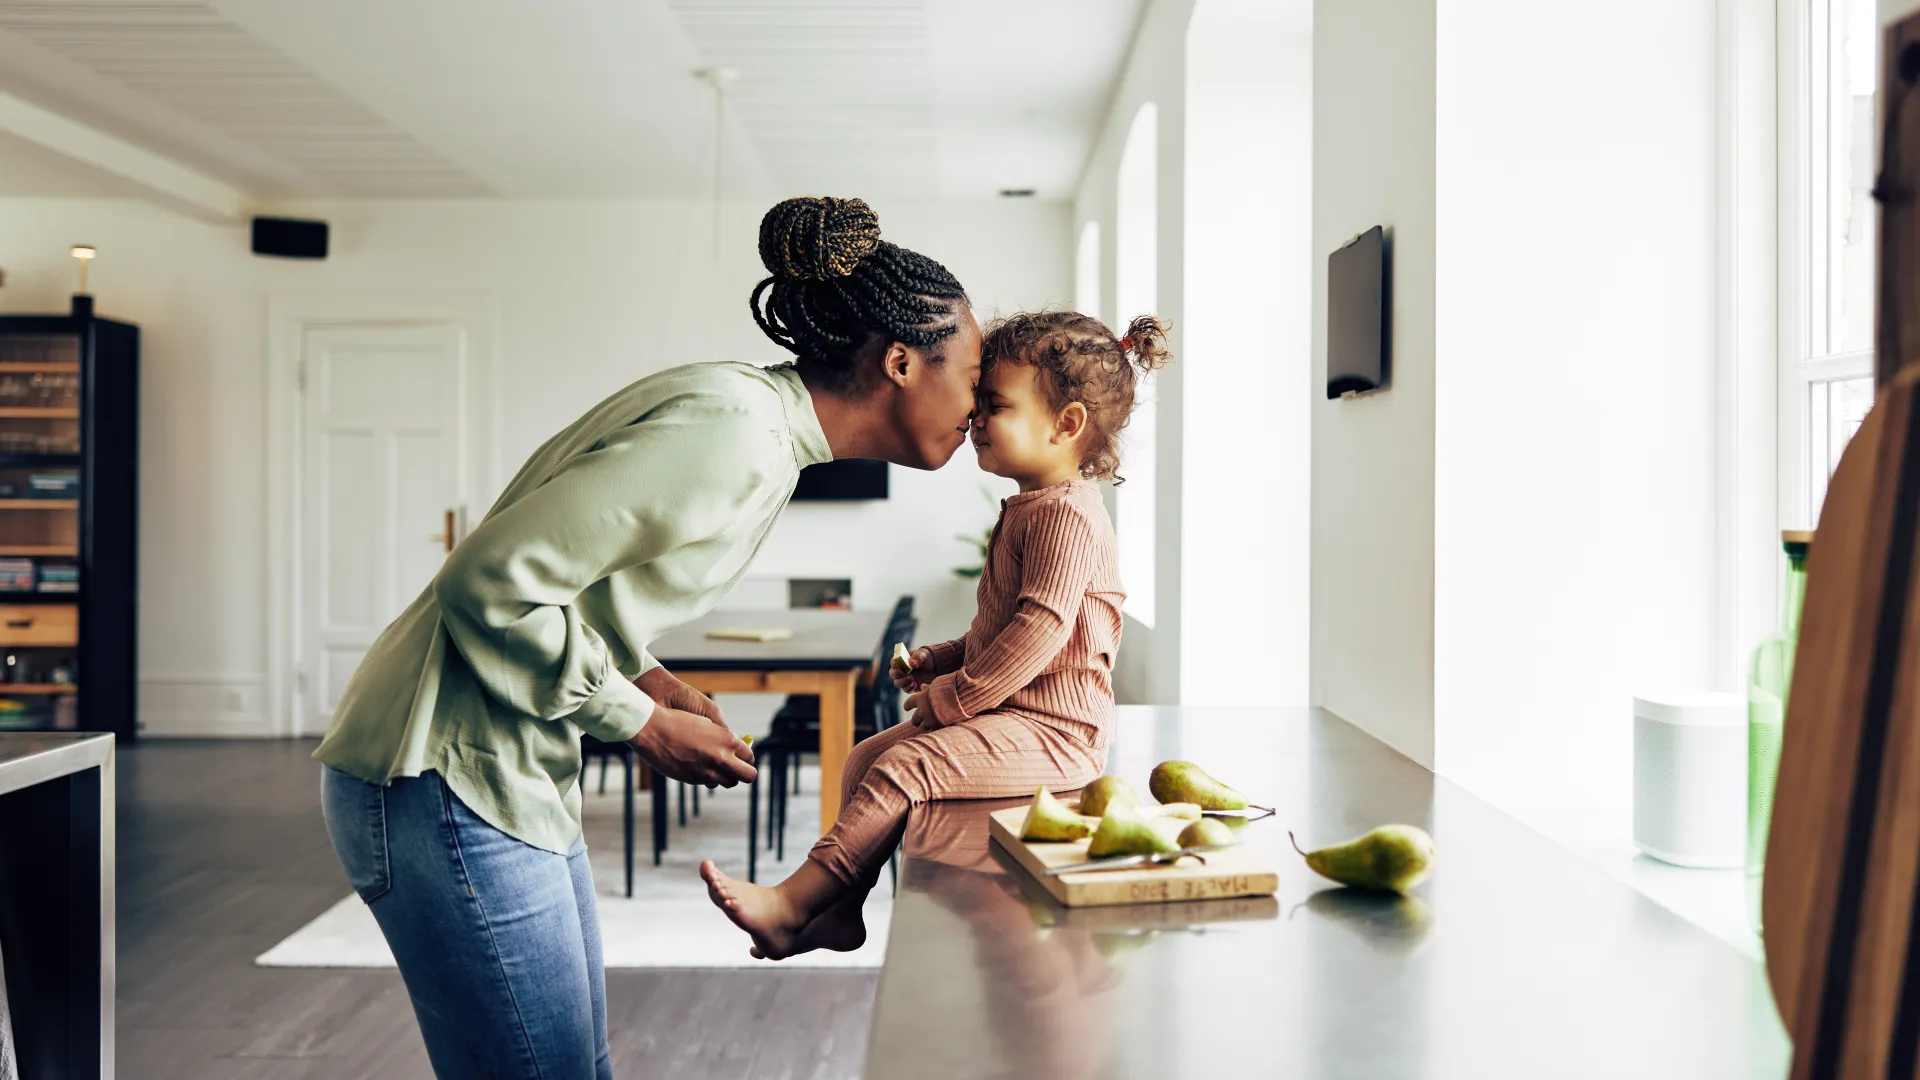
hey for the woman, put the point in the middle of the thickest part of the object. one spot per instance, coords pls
(451, 787)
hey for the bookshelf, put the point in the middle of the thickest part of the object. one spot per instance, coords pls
(69, 407)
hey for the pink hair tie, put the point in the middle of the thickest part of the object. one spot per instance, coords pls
(1126, 343)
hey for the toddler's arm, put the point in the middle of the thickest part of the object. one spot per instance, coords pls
(942, 658)
(1056, 568)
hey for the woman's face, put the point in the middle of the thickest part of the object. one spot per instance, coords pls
(936, 408)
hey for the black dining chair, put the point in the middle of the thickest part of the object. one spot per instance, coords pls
(795, 732)
(592, 749)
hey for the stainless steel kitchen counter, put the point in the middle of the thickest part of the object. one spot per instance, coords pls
(57, 900)
(1515, 959)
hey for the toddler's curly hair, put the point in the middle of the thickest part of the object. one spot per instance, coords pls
(1081, 360)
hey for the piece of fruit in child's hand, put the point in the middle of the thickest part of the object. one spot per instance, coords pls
(748, 739)
(902, 663)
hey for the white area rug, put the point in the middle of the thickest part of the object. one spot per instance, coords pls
(668, 923)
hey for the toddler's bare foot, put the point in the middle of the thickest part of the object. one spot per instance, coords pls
(765, 914)
(840, 928)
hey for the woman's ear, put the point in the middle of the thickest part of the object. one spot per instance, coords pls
(1071, 422)
(894, 363)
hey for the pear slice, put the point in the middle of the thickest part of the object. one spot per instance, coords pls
(1049, 820)
(902, 663)
(1391, 858)
(1185, 811)
(1206, 832)
(1105, 791)
(1125, 831)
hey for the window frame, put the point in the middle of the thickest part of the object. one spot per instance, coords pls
(1808, 269)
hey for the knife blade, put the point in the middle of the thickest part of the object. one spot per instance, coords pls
(1121, 862)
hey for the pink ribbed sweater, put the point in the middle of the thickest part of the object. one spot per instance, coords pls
(1043, 642)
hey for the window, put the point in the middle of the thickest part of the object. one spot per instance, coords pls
(1137, 288)
(1086, 271)
(1828, 384)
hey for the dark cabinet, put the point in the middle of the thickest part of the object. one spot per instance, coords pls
(69, 522)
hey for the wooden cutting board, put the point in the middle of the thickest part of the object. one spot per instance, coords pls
(1234, 872)
(1841, 896)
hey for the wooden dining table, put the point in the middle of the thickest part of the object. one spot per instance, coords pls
(827, 654)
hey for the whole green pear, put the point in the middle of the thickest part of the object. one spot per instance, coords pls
(1048, 819)
(1185, 782)
(1207, 832)
(1104, 792)
(1125, 831)
(1391, 858)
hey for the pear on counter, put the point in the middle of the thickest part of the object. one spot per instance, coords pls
(1048, 819)
(1391, 858)
(1206, 832)
(1106, 791)
(902, 663)
(1185, 811)
(1185, 782)
(1125, 831)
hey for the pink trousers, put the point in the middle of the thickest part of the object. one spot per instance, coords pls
(992, 756)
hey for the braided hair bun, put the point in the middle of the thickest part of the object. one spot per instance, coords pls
(818, 239)
(837, 287)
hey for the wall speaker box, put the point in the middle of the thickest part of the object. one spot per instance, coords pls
(1690, 779)
(290, 238)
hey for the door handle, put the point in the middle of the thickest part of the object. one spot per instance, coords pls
(445, 536)
(19, 624)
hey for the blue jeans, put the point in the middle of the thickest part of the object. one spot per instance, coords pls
(498, 941)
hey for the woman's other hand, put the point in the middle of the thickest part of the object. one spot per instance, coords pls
(693, 749)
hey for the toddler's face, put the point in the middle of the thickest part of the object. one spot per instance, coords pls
(1014, 427)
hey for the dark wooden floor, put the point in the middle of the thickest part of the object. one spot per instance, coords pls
(222, 853)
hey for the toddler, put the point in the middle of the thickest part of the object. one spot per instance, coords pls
(1026, 698)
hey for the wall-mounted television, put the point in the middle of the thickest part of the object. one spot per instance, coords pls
(1359, 306)
(846, 480)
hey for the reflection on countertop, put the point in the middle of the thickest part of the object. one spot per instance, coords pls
(1516, 959)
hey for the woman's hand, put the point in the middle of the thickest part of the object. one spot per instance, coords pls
(693, 749)
(910, 681)
(660, 685)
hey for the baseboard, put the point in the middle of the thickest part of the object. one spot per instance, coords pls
(205, 706)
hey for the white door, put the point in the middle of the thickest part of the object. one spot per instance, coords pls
(382, 468)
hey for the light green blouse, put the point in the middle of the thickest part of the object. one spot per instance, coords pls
(635, 520)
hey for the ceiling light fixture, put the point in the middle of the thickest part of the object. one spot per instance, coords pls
(1017, 192)
(719, 78)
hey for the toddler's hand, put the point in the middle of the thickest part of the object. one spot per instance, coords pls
(911, 680)
(920, 712)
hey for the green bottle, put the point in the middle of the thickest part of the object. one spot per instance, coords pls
(1767, 690)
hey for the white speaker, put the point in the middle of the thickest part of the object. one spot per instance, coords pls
(1690, 778)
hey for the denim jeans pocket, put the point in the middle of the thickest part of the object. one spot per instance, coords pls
(356, 813)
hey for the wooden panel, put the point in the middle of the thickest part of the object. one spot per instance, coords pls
(39, 504)
(836, 741)
(39, 625)
(39, 414)
(1226, 874)
(725, 682)
(51, 367)
(38, 689)
(21, 551)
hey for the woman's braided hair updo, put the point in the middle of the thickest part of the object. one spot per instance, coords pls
(836, 287)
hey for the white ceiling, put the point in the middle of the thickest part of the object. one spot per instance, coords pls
(578, 98)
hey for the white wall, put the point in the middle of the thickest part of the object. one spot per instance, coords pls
(1249, 353)
(592, 296)
(1373, 457)
(1575, 490)
(1149, 666)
